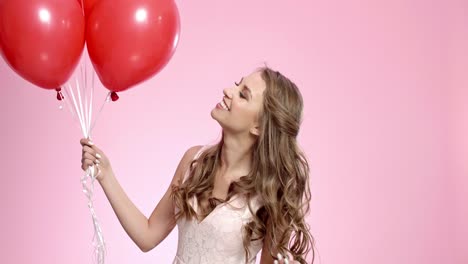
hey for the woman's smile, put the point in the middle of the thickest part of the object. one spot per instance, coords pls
(222, 105)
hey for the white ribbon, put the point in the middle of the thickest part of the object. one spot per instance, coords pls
(81, 110)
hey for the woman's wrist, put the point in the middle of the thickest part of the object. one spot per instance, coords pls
(106, 176)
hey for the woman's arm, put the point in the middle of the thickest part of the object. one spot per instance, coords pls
(266, 258)
(162, 220)
(146, 233)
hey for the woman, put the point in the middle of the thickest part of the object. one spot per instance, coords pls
(248, 192)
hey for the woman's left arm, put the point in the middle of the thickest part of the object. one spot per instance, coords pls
(266, 258)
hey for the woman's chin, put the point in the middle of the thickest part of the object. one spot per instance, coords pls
(215, 117)
(213, 114)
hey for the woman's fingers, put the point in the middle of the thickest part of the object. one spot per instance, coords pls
(280, 260)
(89, 157)
(88, 150)
(92, 155)
(86, 164)
(86, 141)
(285, 260)
(88, 146)
(97, 152)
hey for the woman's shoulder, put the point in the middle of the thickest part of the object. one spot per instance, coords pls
(192, 152)
(184, 164)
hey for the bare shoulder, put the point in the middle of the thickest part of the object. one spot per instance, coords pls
(184, 164)
(192, 151)
(162, 220)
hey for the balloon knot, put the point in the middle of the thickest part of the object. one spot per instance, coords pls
(59, 95)
(114, 96)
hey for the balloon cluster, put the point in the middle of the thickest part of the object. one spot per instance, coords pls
(128, 41)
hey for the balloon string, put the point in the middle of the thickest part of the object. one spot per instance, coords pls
(77, 111)
(108, 99)
(68, 103)
(85, 128)
(85, 97)
(90, 112)
(98, 239)
(83, 114)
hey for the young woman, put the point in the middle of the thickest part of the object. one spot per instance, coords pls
(249, 192)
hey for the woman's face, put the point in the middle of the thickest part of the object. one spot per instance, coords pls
(240, 107)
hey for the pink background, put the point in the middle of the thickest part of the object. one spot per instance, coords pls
(385, 90)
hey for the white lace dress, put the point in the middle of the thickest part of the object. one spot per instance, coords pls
(218, 237)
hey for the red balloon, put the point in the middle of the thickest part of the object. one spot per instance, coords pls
(88, 5)
(42, 40)
(130, 41)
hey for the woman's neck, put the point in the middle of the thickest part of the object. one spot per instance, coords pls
(236, 157)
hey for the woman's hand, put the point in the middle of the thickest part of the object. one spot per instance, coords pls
(288, 260)
(92, 155)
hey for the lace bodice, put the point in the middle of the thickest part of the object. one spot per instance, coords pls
(218, 237)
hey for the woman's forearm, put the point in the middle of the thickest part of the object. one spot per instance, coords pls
(130, 217)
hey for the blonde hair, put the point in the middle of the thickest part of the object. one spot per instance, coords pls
(279, 175)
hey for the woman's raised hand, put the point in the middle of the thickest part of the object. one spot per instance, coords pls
(92, 155)
(285, 260)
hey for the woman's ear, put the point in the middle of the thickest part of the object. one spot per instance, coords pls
(255, 130)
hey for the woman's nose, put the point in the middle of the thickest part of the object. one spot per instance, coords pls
(227, 92)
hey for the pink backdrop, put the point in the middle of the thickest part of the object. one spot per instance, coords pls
(385, 90)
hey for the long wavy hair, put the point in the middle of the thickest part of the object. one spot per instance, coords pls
(279, 176)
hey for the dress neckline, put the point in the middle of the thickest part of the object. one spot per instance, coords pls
(214, 209)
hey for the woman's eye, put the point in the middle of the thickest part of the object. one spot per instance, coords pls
(241, 95)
